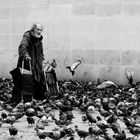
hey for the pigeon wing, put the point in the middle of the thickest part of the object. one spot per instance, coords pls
(105, 84)
(75, 65)
(129, 75)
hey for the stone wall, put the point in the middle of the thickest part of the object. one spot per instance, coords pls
(104, 34)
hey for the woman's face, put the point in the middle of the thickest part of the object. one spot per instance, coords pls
(38, 31)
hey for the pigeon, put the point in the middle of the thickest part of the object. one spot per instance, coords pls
(81, 133)
(50, 65)
(130, 77)
(106, 84)
(53, 63)
(73, 67)
(30, 121)
(13, 131)
(41, 134)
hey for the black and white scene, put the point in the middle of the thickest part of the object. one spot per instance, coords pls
(69, 69)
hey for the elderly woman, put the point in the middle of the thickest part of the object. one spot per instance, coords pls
(31, 49)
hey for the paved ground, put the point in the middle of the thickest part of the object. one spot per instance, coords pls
(28, 133)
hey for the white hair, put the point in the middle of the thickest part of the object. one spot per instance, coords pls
(35, 25)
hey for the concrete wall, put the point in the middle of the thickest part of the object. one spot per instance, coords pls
(104, 34)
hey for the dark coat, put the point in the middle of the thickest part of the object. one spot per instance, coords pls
(31, 46)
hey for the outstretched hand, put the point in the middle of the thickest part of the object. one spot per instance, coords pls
(28, 58)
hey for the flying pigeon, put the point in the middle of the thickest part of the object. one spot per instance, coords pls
(73, 67)
(130, 76)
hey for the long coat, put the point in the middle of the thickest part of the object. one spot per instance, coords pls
(31, 46)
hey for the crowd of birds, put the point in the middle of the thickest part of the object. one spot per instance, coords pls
(103, 107)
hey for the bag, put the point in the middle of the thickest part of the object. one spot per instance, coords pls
(16, 76)
(16, 91)
(26, 83)
(51, 83)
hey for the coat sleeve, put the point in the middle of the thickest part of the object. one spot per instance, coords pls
(42, 52)
(23, 47)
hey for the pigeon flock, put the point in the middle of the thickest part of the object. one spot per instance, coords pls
(83, 110)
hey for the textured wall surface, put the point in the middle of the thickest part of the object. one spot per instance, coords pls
(104, 34)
